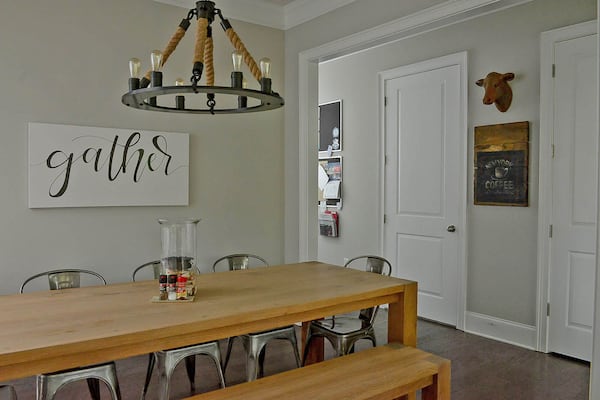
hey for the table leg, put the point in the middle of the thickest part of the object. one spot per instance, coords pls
(440, 390)
(402, 317)
(317, 346)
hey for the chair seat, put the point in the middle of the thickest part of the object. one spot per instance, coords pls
(49, 384)
(342, 324)
(265, 332)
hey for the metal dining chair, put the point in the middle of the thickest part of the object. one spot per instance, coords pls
(167, 360)
(240, 261)
(7, 392)
(48, 384)
(254, 343)
(343, 331)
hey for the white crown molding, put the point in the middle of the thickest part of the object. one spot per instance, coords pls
(300, 11)
(432, 18)
(269, 14)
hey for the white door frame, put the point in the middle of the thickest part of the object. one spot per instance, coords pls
(439, 62)
(545, 167)
(445, 14)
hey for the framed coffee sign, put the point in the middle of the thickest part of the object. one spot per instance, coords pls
(501, 164)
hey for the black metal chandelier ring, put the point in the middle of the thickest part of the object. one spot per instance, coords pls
(144, 92)
(139, 98)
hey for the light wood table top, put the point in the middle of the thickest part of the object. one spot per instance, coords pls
(52, 330)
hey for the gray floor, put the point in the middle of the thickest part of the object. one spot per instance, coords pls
(481, 369)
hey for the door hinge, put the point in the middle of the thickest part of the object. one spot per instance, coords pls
(553, 151)
(547, 309)
(385, 158)
(385, 101)
(554, 70)
(384, 218)
(550, 230)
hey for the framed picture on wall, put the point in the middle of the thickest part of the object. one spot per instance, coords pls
(330, 127)
(501, 164)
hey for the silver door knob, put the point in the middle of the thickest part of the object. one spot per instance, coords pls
(451, 228)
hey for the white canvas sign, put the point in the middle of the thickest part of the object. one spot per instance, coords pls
(80, 166)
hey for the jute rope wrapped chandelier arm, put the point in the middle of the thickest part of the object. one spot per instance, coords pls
(199, 48)
(170, 47)
(208, 59)
(145, 93)
(239, 45)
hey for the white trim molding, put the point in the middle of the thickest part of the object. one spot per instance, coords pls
(267, 13)
(445, 14)
(501, 330)
(300, 11)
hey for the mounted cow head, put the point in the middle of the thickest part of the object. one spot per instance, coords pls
(497, 89)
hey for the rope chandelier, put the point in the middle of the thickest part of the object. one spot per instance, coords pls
(145, 93)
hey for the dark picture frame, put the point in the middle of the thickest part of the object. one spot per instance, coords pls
(330, 127)
(501, 164)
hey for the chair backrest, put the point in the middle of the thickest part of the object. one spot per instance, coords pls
(7, 392)
(240, 261)
(377, 265)
(154, 265)
(64, 278)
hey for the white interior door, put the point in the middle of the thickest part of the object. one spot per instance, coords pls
(424, 181)
(574, 187)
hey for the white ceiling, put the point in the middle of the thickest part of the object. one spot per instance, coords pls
(280, 14)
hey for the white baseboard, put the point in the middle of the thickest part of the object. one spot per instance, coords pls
(502, 330)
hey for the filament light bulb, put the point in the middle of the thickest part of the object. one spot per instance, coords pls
(265, 67)
(236, 58)
(134, 68)
(156, 60)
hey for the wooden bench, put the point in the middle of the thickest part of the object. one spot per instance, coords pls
(381, 373)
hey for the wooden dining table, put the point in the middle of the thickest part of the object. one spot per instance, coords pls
(49, 331)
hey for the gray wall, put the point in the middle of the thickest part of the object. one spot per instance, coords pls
(502, 241)
(65, 62)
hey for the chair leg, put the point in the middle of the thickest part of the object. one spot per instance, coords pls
(165, 369)
(253, 350)
(229, 347)
(261, 362)
(216, 357)
(151, 359)
(94, 387)
(294, 343)
(306, 347)
(190, 366)
(9, 391)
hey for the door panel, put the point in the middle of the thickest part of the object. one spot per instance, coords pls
(574, 183)
(422, 179)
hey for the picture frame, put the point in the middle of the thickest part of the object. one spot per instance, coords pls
(85, 166)
(501, 157)
(330, 127)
